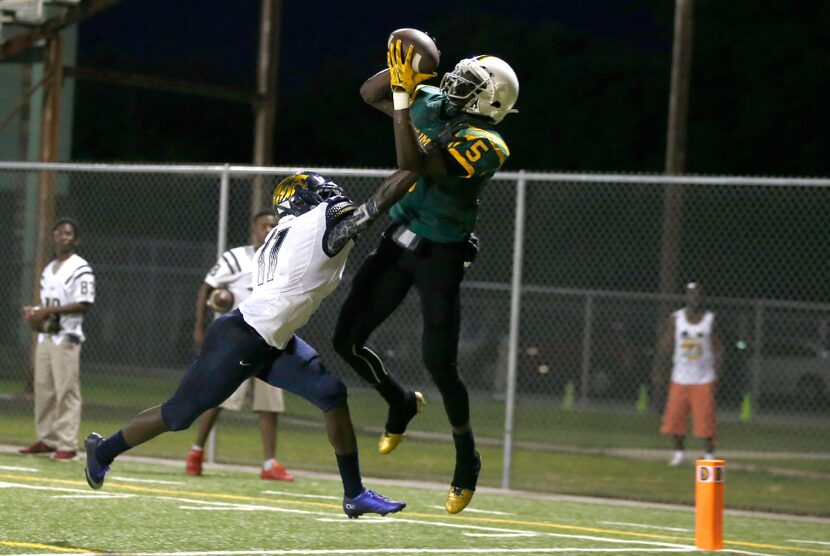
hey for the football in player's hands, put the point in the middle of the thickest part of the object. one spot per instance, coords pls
(220, 300)
(425, 55)
(49, 325)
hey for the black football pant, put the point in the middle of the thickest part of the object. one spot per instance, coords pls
(379, 287)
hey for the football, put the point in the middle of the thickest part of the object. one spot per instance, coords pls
(49, 325)
(425, 56)
(220, 300)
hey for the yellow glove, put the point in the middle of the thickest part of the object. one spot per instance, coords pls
(403, 77)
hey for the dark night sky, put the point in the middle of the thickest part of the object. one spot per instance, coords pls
(594, 81)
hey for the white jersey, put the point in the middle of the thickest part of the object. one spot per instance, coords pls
(293, 273)
(694, 357)
(64, 283)
(233, 272)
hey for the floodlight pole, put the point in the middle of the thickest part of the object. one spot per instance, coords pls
(676, 145)
(265, 105)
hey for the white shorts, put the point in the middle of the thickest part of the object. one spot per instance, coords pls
(266, 397)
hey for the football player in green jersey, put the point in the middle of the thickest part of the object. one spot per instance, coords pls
(447, 135)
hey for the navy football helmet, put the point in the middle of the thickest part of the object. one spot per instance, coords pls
(302, 191)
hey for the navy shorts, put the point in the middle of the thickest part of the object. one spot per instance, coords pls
(232, 353)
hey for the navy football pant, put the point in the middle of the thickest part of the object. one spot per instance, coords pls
(234, 352)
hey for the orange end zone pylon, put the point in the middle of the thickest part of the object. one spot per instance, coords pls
(709, 504)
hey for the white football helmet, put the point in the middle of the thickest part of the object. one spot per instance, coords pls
(484, 85)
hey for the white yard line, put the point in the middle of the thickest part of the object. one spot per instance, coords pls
(13, 468)
(4, 484)
(475, 511)
(443, 551)
(94, 495)
(283, 493)
(822, 543)
(154, 481)
(643, 526)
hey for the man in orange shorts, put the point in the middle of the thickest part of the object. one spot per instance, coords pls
(698, 353)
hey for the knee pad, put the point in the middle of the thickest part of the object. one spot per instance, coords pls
(331, 392)
(179, 415)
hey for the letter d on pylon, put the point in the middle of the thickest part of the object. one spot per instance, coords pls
(709, 504)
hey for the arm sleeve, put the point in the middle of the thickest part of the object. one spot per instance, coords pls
(475, 152)
(335, 237)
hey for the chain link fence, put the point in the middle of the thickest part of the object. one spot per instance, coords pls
(574, 378)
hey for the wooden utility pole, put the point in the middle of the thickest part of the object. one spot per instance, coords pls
(676, 145)
(265, 106)
(53, 68)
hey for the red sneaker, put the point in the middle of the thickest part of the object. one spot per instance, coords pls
(194, 463)
(38, 447)
(276, 473)
(64, 455)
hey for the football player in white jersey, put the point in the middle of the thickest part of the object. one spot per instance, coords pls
(232, 271)
(67, 291)
(692, 335)
(300, 263)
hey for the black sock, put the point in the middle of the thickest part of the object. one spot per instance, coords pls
(111, 448)
(349, 466)
(465, 446)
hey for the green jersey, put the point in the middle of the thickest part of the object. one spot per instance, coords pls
(444, 208)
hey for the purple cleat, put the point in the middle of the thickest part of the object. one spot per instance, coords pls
(370, 502)
(94, 471)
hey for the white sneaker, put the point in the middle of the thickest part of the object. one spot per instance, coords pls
(708, 455)
(677, 459)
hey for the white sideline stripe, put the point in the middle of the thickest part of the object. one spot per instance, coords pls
(643, 526)
(283, 493)
(809, 542)
(191, 504)
(155, 481)
(94, 495)
(35, 487)
(13, 468)
(474, 510)
(498, 535)
(442, 551)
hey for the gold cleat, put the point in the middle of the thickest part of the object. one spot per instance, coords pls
(458, 499)
(389, 441)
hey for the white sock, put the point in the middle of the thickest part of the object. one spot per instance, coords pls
(268, 464)
(197, 448)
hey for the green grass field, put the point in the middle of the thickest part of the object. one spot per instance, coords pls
(154, 509)
(771, 483)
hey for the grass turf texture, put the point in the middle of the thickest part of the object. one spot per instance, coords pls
(151, 508)
(753, 483)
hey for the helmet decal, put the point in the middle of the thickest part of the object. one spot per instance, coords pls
(302, 191)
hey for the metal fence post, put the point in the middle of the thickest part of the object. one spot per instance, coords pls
(758, 341)
(587, 327)
(221, 247)
(515, 316)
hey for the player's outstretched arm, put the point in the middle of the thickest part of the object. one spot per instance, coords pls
(376, 92)
(387, 194)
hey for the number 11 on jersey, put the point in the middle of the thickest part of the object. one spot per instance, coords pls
(270, 249)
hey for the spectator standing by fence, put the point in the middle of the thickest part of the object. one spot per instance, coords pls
(67, 291)
(697, 359)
